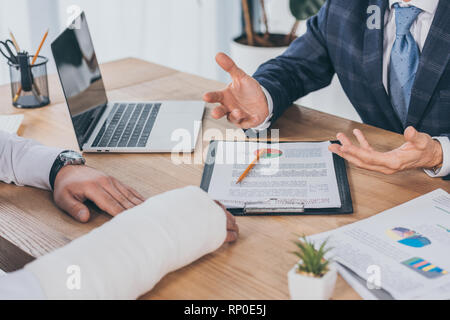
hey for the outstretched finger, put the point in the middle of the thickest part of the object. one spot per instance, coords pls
(227, 64)
(362, 139)
(237, 116)
(213, 97)
(357, 161)
(418, 139)
(343, 139)
(219, 112)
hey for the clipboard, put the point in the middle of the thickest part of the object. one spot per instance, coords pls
(263, 210)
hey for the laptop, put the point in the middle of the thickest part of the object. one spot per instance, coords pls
(124, 127)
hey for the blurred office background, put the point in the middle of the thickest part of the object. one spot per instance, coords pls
(181, 34)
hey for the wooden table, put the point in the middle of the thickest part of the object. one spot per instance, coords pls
(253, 268)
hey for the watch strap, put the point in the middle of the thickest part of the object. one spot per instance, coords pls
(60, 162)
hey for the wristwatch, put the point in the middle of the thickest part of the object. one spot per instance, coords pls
(437, 169)
(65, 158)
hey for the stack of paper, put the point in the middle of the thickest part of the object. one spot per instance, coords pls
(11, 123)
(402, 253)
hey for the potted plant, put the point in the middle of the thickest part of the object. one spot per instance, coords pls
(253, 48)
(314, 277)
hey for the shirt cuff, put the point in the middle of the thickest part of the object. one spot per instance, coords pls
(266, 124)
(25, 161)
(445, 169)
(40, 157)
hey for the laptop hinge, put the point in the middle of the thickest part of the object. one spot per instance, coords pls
(92, 126)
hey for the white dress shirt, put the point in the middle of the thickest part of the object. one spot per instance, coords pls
(419, 30)
(25, 162)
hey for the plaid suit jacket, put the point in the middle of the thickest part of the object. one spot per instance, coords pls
(338, 41)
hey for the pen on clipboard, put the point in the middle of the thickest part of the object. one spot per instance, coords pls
(251, 166)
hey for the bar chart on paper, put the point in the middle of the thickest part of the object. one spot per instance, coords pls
(425, 268)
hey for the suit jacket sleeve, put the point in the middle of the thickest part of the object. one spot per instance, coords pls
(25, 162)
(303, 68)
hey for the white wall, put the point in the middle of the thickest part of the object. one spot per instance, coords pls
(182, 34)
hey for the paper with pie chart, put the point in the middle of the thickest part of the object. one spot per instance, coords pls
(303, 172)
(407, 246)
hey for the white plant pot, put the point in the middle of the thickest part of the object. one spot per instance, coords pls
(249, 58)
(309, 288)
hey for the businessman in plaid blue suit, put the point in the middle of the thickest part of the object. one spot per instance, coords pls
(395, 71)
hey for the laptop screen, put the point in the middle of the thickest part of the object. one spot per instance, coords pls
(80, 77)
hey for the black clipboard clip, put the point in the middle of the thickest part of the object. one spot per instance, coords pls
(274, 206)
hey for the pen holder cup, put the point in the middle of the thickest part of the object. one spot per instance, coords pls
(29, 83)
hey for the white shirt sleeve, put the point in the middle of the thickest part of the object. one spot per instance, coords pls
(445, 169)
(20, 285)
(266, 124)
(25, 162)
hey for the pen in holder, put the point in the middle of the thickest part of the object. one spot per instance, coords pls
(29, 83)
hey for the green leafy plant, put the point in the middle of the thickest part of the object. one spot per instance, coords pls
(313, 262)
(303, 10)
(300, 9)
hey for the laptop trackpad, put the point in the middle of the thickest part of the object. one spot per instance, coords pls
(175, 133)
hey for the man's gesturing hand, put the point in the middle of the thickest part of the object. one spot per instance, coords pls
(419, 151)
(76, 184)
(242, 101)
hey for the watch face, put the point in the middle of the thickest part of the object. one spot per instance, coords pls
(72, 157)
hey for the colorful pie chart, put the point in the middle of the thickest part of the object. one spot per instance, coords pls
(269, 153)
(408, 237)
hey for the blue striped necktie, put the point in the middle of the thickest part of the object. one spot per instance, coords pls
(404, 60)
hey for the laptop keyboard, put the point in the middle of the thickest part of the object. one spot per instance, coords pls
(128, 126)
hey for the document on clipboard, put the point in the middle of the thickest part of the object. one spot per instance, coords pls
(289, 178)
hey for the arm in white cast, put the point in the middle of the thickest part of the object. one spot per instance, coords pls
(127, 256)
(266, 124)
(25, 162)
(445, 169)
(20, 285)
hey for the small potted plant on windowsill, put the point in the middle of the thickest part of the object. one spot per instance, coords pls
(314, 277)
(252, 48)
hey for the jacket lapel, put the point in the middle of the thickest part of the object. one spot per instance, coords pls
(433, 61)
(373, 68)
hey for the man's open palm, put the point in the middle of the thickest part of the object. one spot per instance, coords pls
(242, 101)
